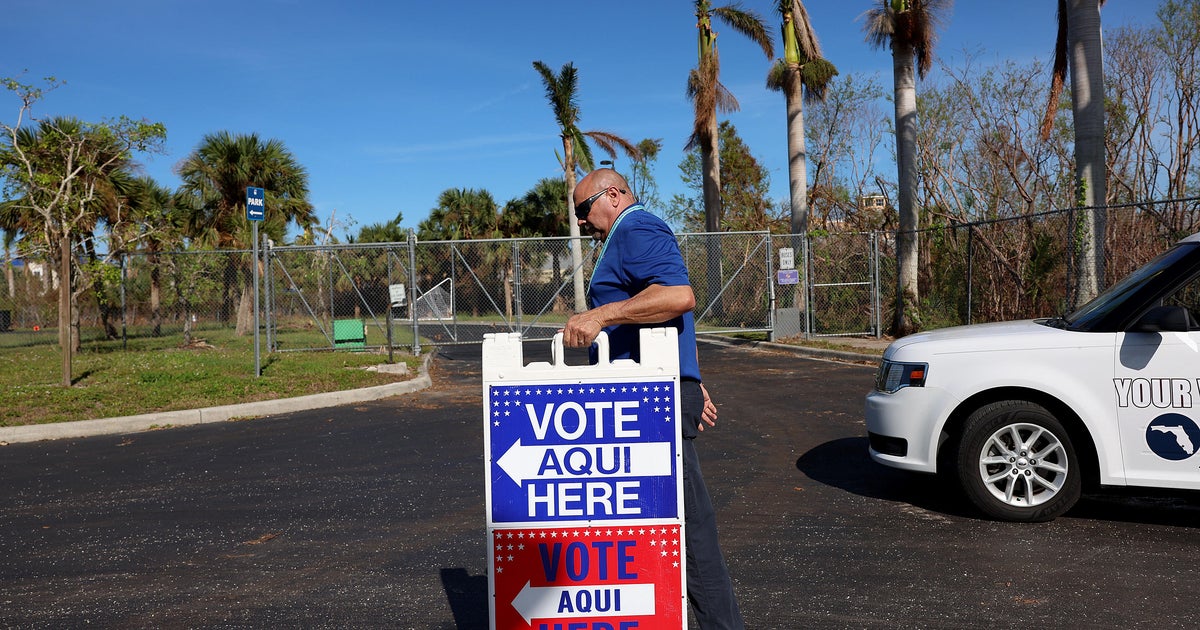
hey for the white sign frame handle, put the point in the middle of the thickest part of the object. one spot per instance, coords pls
(558, 354)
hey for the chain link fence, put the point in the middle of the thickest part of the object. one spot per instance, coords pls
(1031, 266)
(413, 294)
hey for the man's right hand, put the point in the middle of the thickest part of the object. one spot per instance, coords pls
(581, 330)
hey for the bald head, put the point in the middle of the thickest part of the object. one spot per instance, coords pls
(599, 198)
(600, 178)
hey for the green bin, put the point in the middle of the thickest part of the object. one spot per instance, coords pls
(349, 334)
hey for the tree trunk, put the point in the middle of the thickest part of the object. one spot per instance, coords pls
(576, 242)
(64, 305)
(155, 297)
(797, 168)
(907, 317)
(245, 312)
(797, 151)
(1087, 102)
(710, 161)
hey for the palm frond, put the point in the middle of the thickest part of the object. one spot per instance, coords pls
(560, 91)
(806, 37)
(1058, 74)
(915, 27)
(777, 76)
(583, 153)
(816, 76)
(880, 24)
(747, 23)
(610, 142)
(726, 101)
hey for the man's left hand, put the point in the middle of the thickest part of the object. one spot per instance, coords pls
(709, 414)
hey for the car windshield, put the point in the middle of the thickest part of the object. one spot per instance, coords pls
(1111, 309)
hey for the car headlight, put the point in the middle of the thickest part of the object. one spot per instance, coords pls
(893, 376)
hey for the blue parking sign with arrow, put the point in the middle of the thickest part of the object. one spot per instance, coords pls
(256, 203)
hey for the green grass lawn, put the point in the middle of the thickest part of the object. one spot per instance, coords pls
(149, 374)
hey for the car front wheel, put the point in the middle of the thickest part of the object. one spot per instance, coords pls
(1016, 462)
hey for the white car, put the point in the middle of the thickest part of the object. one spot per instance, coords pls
(1025, 414)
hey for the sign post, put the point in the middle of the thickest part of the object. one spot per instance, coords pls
(256, 211)
(584, 488)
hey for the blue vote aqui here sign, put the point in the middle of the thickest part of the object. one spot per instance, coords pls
(573, 451)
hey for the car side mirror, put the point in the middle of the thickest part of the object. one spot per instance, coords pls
(1163, 319)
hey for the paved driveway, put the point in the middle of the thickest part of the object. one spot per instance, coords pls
(372, 516)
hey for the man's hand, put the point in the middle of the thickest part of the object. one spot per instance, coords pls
(581, 330)
(709, 414)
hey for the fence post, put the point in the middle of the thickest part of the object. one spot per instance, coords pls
(412, 304)
(876, 302)
(390, 306)
(330, 280)
(970, 271)
(516, 256)
(771, 297)
(808, 289)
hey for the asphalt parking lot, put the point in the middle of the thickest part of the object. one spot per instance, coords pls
(372, 515)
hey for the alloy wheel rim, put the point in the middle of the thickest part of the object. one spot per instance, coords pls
(1023, 465)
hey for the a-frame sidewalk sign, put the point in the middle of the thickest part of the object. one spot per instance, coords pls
(584, 487)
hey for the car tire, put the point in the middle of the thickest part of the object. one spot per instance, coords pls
(1016, 462)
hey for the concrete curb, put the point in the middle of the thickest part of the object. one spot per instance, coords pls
(816, 353)
(165, 419)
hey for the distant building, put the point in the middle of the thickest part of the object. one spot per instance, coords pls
(874, 203)
(39, 270)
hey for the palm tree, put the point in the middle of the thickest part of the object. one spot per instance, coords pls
(560, 90)
(161, 224)
(1079, 40)
(389, 232)
(801, 75)
(708, 94)
(909, 29)
(215, 177)
(461, 214)
(538, 213)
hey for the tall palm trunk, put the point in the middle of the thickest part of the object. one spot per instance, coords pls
(576, 243)
(710, 159)
(711, 163)
(1087, 100)
(797, 168)
(797, 151)
(907, 319)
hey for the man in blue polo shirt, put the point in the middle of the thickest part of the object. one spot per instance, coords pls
(640, 281)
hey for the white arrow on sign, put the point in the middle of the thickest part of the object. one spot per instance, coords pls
(573, 461)
(566, 602)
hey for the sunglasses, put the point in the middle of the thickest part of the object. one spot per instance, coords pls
(585, 207)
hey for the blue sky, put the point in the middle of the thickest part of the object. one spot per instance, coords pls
(387, 104)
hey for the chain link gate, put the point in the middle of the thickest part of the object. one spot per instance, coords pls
(843, 277)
